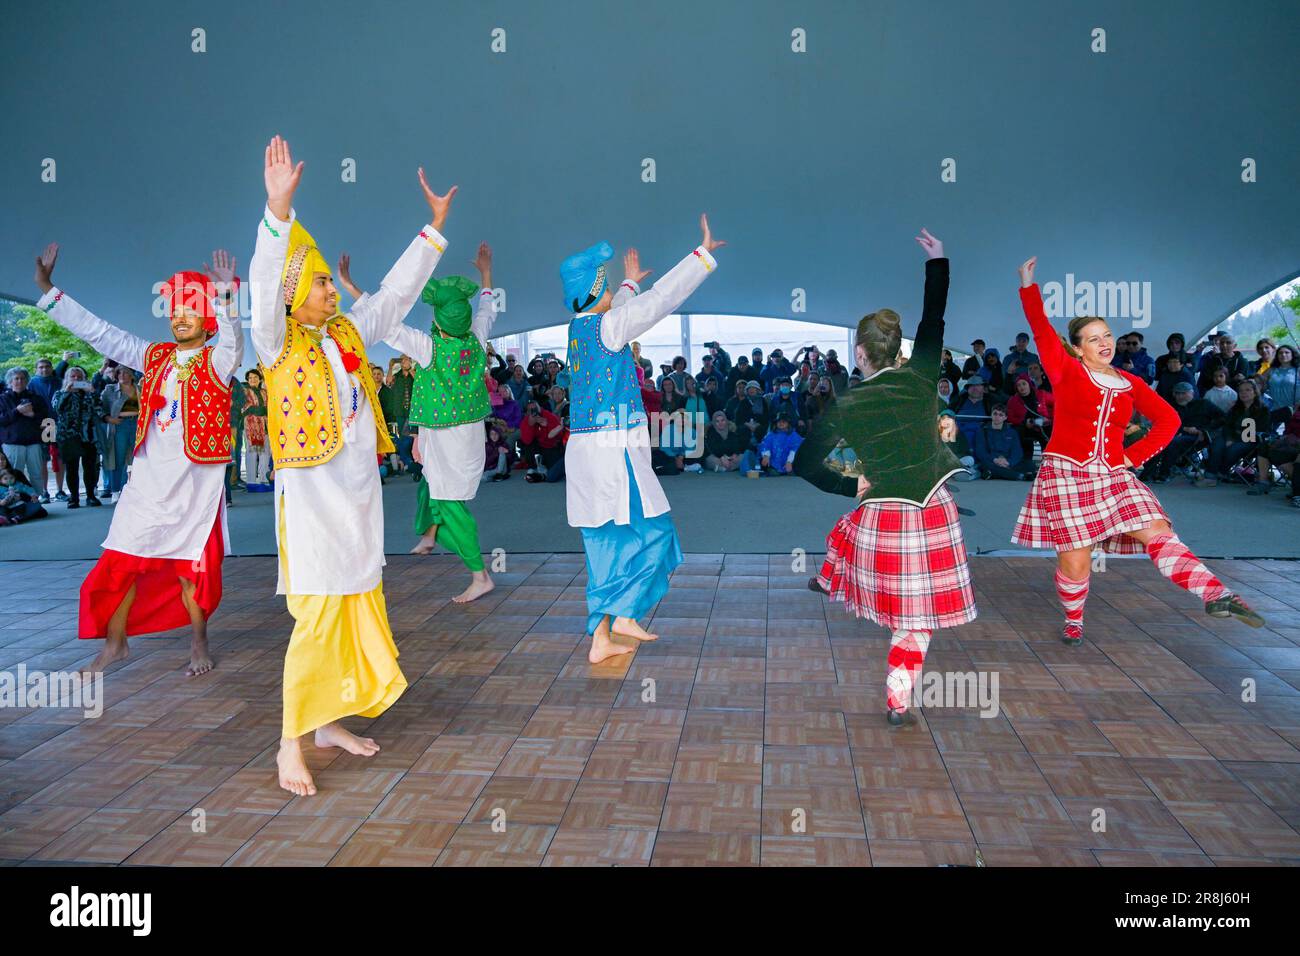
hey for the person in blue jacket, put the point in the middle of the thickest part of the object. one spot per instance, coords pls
(775, 453)
(998, 451)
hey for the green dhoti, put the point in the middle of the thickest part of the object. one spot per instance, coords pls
(457, 529)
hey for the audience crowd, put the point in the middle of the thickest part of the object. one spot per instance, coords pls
(75, 432)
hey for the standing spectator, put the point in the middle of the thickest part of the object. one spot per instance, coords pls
(973, 364)
(23, 414)
(1019, 358)
(709, 371)
(839, 375)
(257, 456)
(721, 359)
(1259, 368)
(643, 363)
(236, 393)
(1225, 357)
(1283, 389)
(518, 383)
(739, 374)
(1133, 358)
(77, 411)
(778, 367)
(948, 369)
(992, 371)
(120, 408)
(697, 413)
(403, 380)
(997, 449)
(1041, 384)
(46, 382)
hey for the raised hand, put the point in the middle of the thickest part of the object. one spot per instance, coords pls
(932, 246)
(345, 276)
(632, 266)
(709, 242)
(439, 204)
(483, 263)
(222, 270)
(1027, 272)
(282, 177)
(45, 267)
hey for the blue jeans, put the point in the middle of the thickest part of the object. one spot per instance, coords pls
(123, 439)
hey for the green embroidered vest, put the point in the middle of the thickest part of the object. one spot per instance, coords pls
(450, 390)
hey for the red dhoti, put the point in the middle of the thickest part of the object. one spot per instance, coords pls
(158, 605)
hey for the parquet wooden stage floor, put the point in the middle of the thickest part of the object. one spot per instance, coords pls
(765, 742)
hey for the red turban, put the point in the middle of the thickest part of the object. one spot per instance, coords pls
(193, 290)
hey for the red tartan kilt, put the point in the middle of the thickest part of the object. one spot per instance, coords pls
(901, 566)
(1074, 506)
(157, 605)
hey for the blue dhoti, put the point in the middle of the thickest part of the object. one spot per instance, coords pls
(628, 565)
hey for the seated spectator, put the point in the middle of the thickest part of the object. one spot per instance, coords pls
(1201, 421)
(820, 398)
(1019, 358)
(1176, 345)
(783, 401)
(775, 453)
(945, 393)
(1030, 414)
(1280, 452)
(724, 446)
(504, 406)
(1245, 423)
(541, 442)
(948, 369)
(997, 449)
(23, 414)
(696, 411)
(18, 498)
(713, 398)
(956, 442)
(1259, 368)
(497, 456)
(971, 367)
(751, 417)
(1223, 395)
(973, 408)
(991, 371)
(77, 412)
(1041, 384)
(1174, 371)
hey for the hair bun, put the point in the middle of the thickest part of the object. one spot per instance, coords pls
(888, 320)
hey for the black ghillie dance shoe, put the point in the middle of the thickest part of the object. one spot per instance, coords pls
(1230, 605)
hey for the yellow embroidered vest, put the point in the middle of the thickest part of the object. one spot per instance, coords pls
(304, 423)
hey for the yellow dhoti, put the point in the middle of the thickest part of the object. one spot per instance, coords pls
(341, 660)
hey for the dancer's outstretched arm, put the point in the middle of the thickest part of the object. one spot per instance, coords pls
(622, 323)
(1051, 352)
(110, 341)
(486, 314)
(927, 347)
(377, 315)
(228, 350)
(264, 286)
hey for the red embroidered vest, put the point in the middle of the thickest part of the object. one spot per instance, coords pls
(205, 405)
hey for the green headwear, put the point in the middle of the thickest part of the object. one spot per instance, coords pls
(450, 297)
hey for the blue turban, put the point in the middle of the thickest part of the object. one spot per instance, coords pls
(583, 275)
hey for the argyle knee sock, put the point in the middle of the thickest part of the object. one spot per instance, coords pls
(1072, 595)
(906, 656)
(1174, 561)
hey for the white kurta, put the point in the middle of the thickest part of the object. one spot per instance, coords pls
(167, 508)
(334, 512)
(452, 456)
(595, 474)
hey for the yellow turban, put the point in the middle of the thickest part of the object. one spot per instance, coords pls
(300, 265)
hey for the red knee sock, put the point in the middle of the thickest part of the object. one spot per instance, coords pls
(1174, 561)
(906, 656)
(1072, 595)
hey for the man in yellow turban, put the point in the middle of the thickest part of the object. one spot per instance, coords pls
(325, 429)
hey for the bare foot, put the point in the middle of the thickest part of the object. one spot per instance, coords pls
(333, 735)
(628, 627)
(478, 587)
(602, 648)
(200, 660)
(294, 775)
(424, 547)
(115, 650)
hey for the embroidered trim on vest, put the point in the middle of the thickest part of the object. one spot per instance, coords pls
(292, 271)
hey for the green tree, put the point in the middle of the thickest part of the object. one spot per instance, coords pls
(37, 336)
